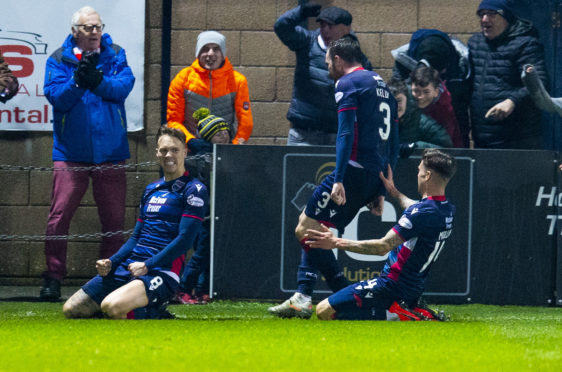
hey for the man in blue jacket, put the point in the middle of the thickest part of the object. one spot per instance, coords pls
(312, 113)
(86, 81)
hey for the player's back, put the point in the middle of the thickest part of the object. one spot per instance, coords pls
(376, 126)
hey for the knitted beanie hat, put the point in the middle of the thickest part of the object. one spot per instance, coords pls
(208, 124)
(208, 37)
(503, 7)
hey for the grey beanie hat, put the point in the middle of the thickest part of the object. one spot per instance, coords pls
(208, 37)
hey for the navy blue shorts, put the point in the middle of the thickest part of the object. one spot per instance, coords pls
(366, 300)
(361, 188)
(159, 286)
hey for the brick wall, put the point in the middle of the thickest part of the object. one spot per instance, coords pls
(254, 50)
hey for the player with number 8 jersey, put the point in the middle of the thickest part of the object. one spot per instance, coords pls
(367, 142)
(138, 280)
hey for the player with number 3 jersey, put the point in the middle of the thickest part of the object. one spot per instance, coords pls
(366, 144)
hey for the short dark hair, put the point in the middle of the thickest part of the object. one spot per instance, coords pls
(347, 48)
(441, 162)
(423, 76)
(165, 130)
(397, 86)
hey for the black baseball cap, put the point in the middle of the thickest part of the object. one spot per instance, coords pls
(334, 16)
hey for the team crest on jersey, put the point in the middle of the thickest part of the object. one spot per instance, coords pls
(246, 105)
(178, 185)
(198, 186)
(339, 96)
(405, 222)
(195, 201)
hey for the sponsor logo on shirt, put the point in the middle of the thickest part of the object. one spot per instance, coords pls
(195, 201)
(405, 222)
(155, 203)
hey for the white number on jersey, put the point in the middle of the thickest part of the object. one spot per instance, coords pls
(433, 256)
(385, 109)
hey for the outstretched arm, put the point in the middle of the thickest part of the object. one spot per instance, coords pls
(325, 239)
(393, 192)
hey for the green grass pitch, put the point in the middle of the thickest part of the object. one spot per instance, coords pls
(241, 336)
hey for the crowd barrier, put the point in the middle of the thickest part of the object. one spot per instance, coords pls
(506, 247)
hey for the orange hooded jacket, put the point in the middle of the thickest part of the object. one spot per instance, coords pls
(223, 91)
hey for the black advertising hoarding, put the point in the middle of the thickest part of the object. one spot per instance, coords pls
(501, 238)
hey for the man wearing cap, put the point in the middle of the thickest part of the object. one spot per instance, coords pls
(312, 112)
(210, 82)
(503, 114)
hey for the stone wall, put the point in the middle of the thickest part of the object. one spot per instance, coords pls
(254, 50)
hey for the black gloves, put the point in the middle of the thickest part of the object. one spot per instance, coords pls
(310, 10)
(199, 145)
(406, 149)
(86, 75)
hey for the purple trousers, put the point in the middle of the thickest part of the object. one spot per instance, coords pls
(109, 188)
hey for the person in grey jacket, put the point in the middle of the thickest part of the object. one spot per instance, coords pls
(503, 114)
(312, 112)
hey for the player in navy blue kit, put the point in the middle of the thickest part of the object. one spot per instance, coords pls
(416, 242)
(139, 276)
(367, 143)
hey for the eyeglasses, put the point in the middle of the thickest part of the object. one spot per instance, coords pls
(489, 13)
(90, 28)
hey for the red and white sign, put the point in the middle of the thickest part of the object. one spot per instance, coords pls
(30, 31)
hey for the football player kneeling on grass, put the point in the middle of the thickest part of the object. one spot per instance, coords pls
(414, 244)
(138, 280)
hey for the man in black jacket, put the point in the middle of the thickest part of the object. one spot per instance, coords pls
(503, 114)
(312, 113)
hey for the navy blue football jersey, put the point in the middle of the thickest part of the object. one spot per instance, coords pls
(373, 135)
(424, 227)
(162, 207)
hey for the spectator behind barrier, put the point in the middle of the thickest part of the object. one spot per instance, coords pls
(212, 82)
(415, 129)
(502, 112)
(8, 82)
(86, 81)
(433, 98)
(312, 113)
(447, 55)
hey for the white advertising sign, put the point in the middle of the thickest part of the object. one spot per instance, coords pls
(31, 30)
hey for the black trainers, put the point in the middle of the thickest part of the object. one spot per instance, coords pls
(50, 291)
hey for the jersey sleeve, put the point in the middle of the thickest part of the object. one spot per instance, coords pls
(196, 201)
(347, 106)
(410, 224)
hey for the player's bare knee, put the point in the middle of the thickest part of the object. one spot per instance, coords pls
(80, 305)
(110, 308)
(69, 310)
(324, 310)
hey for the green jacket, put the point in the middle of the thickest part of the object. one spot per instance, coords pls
(415, 127)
